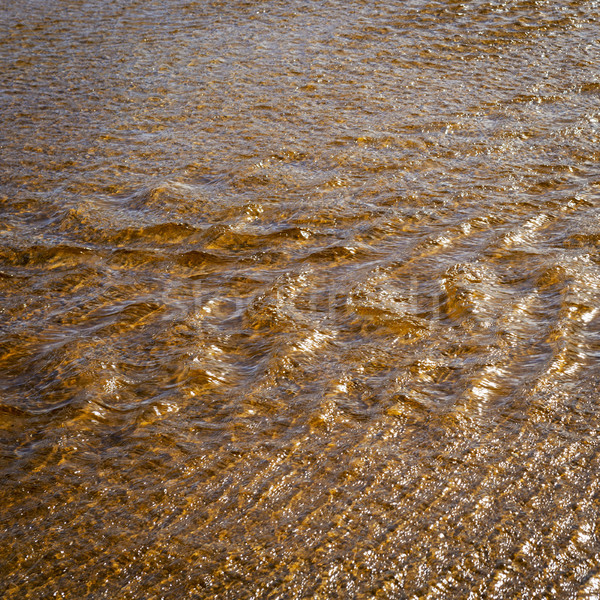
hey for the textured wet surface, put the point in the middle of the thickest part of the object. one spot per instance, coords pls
(299, 300)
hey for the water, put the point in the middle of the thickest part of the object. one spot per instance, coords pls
(299, 299)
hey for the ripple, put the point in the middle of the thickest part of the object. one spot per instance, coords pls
(299, 301)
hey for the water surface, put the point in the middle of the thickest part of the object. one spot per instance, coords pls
(299, 299)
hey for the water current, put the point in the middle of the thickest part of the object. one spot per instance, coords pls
(299, 299)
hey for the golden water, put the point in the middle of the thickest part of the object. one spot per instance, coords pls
(299, 299)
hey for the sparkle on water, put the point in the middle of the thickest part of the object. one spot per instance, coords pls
(299, 299)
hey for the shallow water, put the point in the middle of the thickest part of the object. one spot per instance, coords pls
(299, 299)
